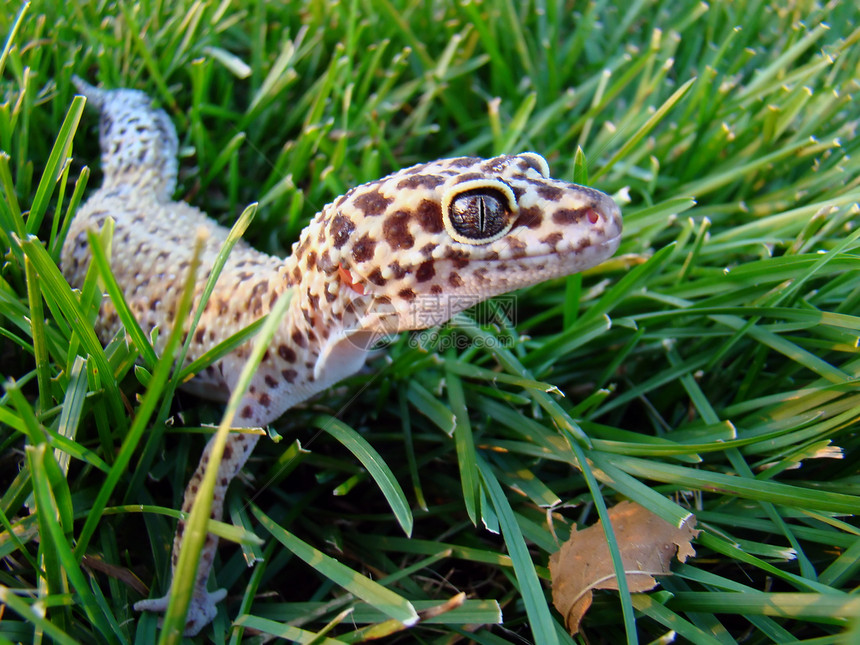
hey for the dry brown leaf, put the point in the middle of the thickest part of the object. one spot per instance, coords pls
(647, 544)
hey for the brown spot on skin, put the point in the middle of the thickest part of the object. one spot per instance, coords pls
(526, 163)
(324, 262)
(265, 400)
(420, 181)
(429, 214)
(427, 249)
(341, 228)
(459, 257)
(313, 301)
(362, 251)
(255, 301)
(497, 165)
(462, 162)
(530, 217)
(299, 338)
(583, 244)
(287, 353)
(553, 239)
(552, 193)
(398, 271)
(518, 247)
(372, 203)
(469, 176)
(565, 216)
(311, 261)
(289, 375)
(455, 280)
(247, 412)
(425, 272)
(407, 294)
(395, 228)
(376, 278)
(330, 297)
(436, 289)
(270, 381)
(300, 250)
(199, 335)
(228, 449)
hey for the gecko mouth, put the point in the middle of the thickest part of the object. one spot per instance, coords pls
(490, 275)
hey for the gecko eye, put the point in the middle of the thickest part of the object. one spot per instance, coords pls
(479, 214)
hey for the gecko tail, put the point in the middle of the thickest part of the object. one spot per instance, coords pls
(138, 142)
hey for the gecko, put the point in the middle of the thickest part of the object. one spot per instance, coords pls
(444, 234)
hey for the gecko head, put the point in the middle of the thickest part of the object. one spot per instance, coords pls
(429, 241)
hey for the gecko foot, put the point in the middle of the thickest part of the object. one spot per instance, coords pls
(201, 611)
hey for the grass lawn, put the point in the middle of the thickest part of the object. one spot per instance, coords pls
(711, 367)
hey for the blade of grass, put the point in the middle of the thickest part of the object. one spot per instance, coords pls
(375, 465)
(540, 619)
(59, 153)
(646, 127)
(195, 529)
(144, 412)
(382, 598)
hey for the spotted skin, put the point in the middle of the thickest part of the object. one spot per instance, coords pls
(404, 252)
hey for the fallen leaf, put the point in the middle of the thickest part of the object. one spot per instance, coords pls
(647, 544)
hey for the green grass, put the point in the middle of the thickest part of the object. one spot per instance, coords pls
(710, 367)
